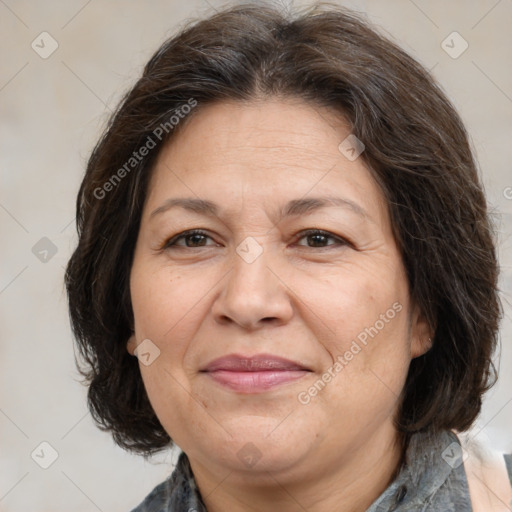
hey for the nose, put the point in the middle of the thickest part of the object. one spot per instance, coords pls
(253, 295)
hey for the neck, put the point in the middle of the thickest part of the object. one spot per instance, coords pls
(349, 482)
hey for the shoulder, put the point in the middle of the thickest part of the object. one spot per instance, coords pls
(436, 475)
(156, 500)
(508, 462)
(179, 492)
(488, 474)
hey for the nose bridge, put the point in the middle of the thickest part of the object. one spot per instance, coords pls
(252, 292)
(250, 265)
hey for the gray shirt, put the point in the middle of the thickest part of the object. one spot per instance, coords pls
(432, 478)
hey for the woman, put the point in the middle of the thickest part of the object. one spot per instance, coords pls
(285, 267)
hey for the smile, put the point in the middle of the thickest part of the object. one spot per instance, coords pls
(254, 374)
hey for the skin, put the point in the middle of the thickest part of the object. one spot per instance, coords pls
(303, 298)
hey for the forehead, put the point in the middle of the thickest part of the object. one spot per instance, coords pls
(262, 154)
(273, 131)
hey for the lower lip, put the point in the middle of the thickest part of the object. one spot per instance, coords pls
(255, 382)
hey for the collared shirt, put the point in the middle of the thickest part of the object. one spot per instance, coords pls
(432, 478)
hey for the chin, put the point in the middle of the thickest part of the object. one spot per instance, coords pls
(256, 448)
(257, 458)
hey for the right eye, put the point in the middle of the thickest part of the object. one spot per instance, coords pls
(193, 238)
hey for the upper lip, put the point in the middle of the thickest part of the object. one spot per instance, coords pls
(255, 363)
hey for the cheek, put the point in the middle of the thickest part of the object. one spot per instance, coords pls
(165, 303)
(167, 308)
(375, 362)
(349, 301)
(368, 336)
(366, 378)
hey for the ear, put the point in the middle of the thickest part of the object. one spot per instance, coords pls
(131, 344)
(421, 333)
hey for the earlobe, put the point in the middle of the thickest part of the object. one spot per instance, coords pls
(420, 346)
(421, 334)
(425, 346)
(131, 344)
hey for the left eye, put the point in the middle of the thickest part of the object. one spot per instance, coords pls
(320, 238)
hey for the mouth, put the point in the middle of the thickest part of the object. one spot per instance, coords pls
(254, 374)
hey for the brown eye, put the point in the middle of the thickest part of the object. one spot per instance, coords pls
(192, 239)
(318, 238)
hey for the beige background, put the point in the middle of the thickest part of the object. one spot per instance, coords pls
(52, 111)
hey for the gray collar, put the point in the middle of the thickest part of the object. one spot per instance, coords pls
(431, 478)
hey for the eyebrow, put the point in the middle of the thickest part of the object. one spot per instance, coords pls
(294, 207)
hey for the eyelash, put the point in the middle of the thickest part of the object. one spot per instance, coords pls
(171, 243)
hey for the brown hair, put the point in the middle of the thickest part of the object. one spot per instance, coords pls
(416, 148)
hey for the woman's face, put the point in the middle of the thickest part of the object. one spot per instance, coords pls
(325, 317)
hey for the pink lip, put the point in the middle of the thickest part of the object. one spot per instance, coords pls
(254, 374)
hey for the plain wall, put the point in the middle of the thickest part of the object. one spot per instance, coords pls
(52, 112)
